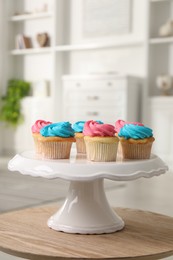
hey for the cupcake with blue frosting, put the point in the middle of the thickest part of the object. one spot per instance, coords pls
(78, 129)
(56, 140)
(136, 141)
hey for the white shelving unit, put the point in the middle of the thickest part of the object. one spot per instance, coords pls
(31, 51)
(52, 62)
(69, 54)
(160, 57)
(80, 47)
(155, 1)
(24, 23)
(161, 40)
(160, 48)
(18, 18)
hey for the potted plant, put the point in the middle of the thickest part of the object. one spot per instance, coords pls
(10, 111)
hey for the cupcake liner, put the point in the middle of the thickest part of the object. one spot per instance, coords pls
(56, 150)
(136, 151)
(119, 151)
(37, 144)
(101, 152)
(80, 145)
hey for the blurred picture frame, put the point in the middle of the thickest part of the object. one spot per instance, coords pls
(106, 17)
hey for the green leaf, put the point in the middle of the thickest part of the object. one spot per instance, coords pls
(10, 110)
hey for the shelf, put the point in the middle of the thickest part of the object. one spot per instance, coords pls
(166, 100)
(79, 47)
(24, 17)
(31, 51)
(161, 40)
(157, 1)
(93, 46)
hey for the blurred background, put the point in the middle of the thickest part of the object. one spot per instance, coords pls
(79, 60)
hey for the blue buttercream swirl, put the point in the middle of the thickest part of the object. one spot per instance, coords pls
(61, 129)
(135, 132)
(78, 126)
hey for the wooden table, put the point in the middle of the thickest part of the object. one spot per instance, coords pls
(146, 235)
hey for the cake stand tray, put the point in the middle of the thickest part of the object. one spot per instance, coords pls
(86, 209)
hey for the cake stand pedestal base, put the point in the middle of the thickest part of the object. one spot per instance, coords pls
(86, 210)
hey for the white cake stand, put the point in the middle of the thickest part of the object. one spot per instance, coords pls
(86, 209)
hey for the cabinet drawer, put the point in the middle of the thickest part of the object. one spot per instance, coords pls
(89, 85)
(95, 97)
(93, 113)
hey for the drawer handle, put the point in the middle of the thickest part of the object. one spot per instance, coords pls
(92, 113)
(93, 97)
(110, 84)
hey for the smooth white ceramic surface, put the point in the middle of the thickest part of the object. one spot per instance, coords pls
(86, 209)
(79, 169)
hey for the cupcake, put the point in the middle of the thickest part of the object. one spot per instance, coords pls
(79, 136)
(101, 142)
(78, 129)
(36, 127)
(118, 125)
(136, 141)
(56, 140)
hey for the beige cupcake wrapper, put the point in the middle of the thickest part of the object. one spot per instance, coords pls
(101, 152)
(56, 150)
(119, 151)
(135, 151)
(37, 144)
(80, 145)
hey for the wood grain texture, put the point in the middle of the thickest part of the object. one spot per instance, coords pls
(146, 235)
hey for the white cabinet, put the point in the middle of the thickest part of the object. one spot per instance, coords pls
(162, 124)
(105, 98)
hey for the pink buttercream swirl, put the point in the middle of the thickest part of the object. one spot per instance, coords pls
(120, 123)
(93, 128)
(38, 125)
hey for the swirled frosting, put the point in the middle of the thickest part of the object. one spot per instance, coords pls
(38, 125)
(135, 132)
(61, 129)
(78, 126)
(120, 123)
(94, 128)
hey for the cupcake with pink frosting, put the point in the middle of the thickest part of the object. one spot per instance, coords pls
(101, 142)
(118, 125)
(36, 127)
